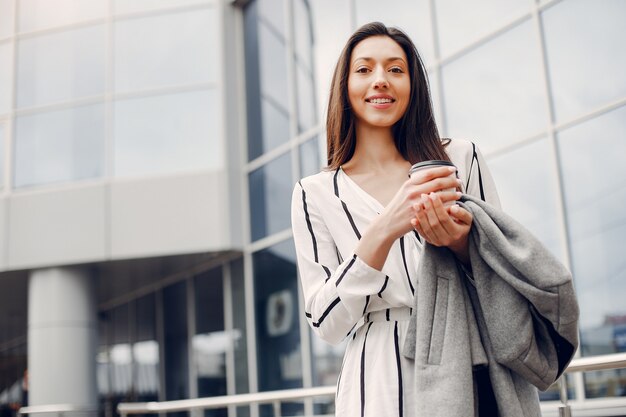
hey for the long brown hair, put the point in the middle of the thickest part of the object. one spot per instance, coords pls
(415, 134)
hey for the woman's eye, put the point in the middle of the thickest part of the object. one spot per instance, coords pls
(397, 70)
(361, 70)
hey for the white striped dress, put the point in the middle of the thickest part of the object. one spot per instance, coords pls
(345, 297)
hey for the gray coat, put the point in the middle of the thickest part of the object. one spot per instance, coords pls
(515, 317)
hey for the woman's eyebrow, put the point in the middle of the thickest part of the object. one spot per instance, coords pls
(369, 59)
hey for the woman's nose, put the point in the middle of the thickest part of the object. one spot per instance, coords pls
(380, 80)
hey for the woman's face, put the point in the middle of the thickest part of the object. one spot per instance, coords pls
(379, 85)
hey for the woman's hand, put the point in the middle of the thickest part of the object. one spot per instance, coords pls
(443, 226)
(395, 219)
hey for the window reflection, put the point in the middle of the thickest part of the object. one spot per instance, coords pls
(60, 66)
(40, 14)
(273, 12)
(495, 95)
(595, 189)
(306, 99)
(461, 23)
(178, 129)
(413, 17)
(146, 351)
(303, 34)
(528, 190)
(177, 48)
(273, 65)
(176, 347)
(586, 65)
(270, 197)
(309, 153)
(6, 62)
(278, 312)
(61, 145)
(275, 131)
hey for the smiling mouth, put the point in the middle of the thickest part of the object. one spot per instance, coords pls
(380, 100)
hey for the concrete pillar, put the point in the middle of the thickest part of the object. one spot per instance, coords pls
(62, 332)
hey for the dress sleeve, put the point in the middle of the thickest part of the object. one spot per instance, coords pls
(336, 291)
(479, 182)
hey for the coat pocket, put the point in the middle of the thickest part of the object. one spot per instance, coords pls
(439, 323)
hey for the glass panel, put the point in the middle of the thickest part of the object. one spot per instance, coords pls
(6, 62)
(495, 94)
(60, 66)
(460, 23)
(239, 326)
(62, 145)
(39, 14)
(435, 97)
(103, 360)
(303, 33)
(310, 162)
(175, 343)
(6, 18)
(275, 124)
(181, 131)
(595, 190)
(278, 312)
(146, 351)
(518, 174)
(270, 197)
(413, 17)
(211, 342)
(306, 99)
(273, 12)
(132, 6)
(179, 48)
(273, 64)
(120, 353)
(586, 65)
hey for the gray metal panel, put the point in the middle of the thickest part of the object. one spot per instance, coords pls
(57, 227)
(169, 215)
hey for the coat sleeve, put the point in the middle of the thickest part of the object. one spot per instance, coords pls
(336, 291)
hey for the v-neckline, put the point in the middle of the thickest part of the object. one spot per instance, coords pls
(376, 205)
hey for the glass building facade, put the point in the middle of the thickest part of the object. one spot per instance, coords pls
(161, 116)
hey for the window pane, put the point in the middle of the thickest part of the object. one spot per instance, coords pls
(273, 63)
(6, 62)
(496, 94)
(39, 14)
(270, 197)
(460, 23)
(60, 66)
(587, 65)
(595, 191)
(530, 171)
(278, 312)
(413, 17)
(211, 342)
(120, 355)
(273, 11)
(175, 343)
(238, 291)
(310, 157)
(275, 124)
(302, 33)
(132, 6)
(62, 145)
(180, 130)
(306, 99)
(6, 18)
(179, 48)
(146, 350)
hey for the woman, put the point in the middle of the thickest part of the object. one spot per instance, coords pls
(359, 225)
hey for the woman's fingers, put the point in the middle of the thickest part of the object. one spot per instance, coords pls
(460, 215)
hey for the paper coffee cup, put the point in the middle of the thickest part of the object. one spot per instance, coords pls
(434, 164)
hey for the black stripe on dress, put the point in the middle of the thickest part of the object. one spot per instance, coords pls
(330, 307)
(367, 301)
(417, 235)
(480, 176)
(387, 314)
(345, 207)
(406, 269)
(380, 293)
(310, 227)
(363, 372)
(400, 393)
(343, 274)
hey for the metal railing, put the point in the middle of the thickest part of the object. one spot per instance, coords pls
(58, 409)
(276, 398)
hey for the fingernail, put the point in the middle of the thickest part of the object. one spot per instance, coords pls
(459, 194)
